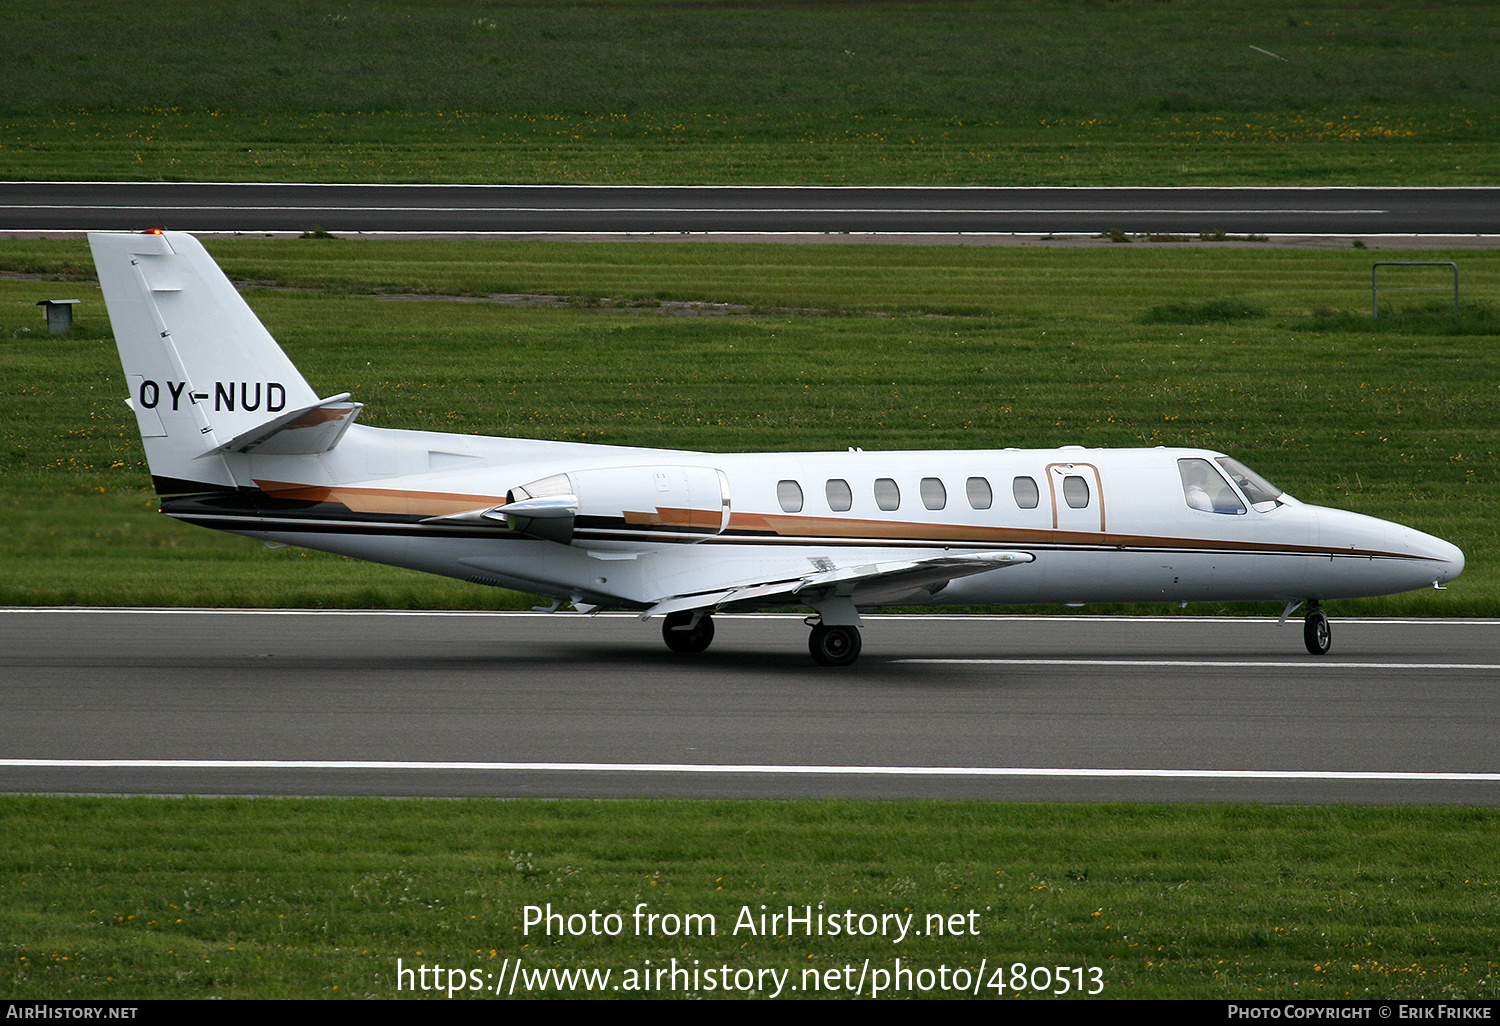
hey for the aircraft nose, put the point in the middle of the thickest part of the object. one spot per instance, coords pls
(1443, 560)
(1427, 560)
(1449, 557)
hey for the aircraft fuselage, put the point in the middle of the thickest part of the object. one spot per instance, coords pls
(658, 522)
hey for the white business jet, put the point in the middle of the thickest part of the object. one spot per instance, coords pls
(238, 441)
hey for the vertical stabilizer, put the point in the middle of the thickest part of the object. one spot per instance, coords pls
(201, 368)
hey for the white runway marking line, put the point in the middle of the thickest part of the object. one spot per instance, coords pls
(644, 767)
(311, 208)
(1304, 664)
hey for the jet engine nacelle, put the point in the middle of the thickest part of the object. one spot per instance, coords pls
(620, 504)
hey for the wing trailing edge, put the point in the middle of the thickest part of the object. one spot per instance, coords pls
(864, 583)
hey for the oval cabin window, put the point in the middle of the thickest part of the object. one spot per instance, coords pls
(1076, 491)
(978, 491)
(789, 494)
(1026, 492)
(934, 495)
(840, 496)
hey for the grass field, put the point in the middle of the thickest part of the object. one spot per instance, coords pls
(646, 91)
(891, 347)
(228, 898)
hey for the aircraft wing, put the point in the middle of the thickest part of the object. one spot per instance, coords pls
(863, 583)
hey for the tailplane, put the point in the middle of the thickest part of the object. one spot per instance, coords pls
(206, 379)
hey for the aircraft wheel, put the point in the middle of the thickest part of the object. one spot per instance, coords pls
(679, 638)
(1316, 632)
(834, 646)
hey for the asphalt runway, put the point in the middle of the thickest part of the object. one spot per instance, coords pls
(207, 207)
(1069, 707)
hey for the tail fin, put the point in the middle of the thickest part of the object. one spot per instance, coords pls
(206, 379)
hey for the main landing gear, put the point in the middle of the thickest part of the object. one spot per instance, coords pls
(688, 633)
(833, 644)
(1315, 630)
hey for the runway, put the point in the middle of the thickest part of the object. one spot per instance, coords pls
(1069, 708)
(522, 209)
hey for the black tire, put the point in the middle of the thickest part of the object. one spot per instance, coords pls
(687, 642)
(1316, 632)
(834, 646)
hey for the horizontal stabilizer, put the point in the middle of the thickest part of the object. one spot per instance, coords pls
(869, 581)
(302, 432)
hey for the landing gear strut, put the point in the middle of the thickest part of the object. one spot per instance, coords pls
(833, 645)
(683, 635)
(1315, 631)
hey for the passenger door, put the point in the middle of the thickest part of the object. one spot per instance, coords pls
(1077, 495)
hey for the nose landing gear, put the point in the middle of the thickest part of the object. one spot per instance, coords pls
(1316, 633)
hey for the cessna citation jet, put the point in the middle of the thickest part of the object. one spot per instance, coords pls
(238, 441)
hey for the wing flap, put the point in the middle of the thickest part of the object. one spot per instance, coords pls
(844, 581)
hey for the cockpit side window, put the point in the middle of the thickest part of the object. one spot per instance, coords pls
(1263, 495)
(1205, 489)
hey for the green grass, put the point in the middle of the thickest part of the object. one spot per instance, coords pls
(184, 898)
(1202, 313)
(644, 91)
(922, 347)
(1472, 318)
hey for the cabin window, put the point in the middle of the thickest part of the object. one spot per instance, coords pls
(887, 495)
(934, 495)
(1026, 492)
(1075, 491)
(980, 496)
(789, 494)
(1203, 488)
(840, 496)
